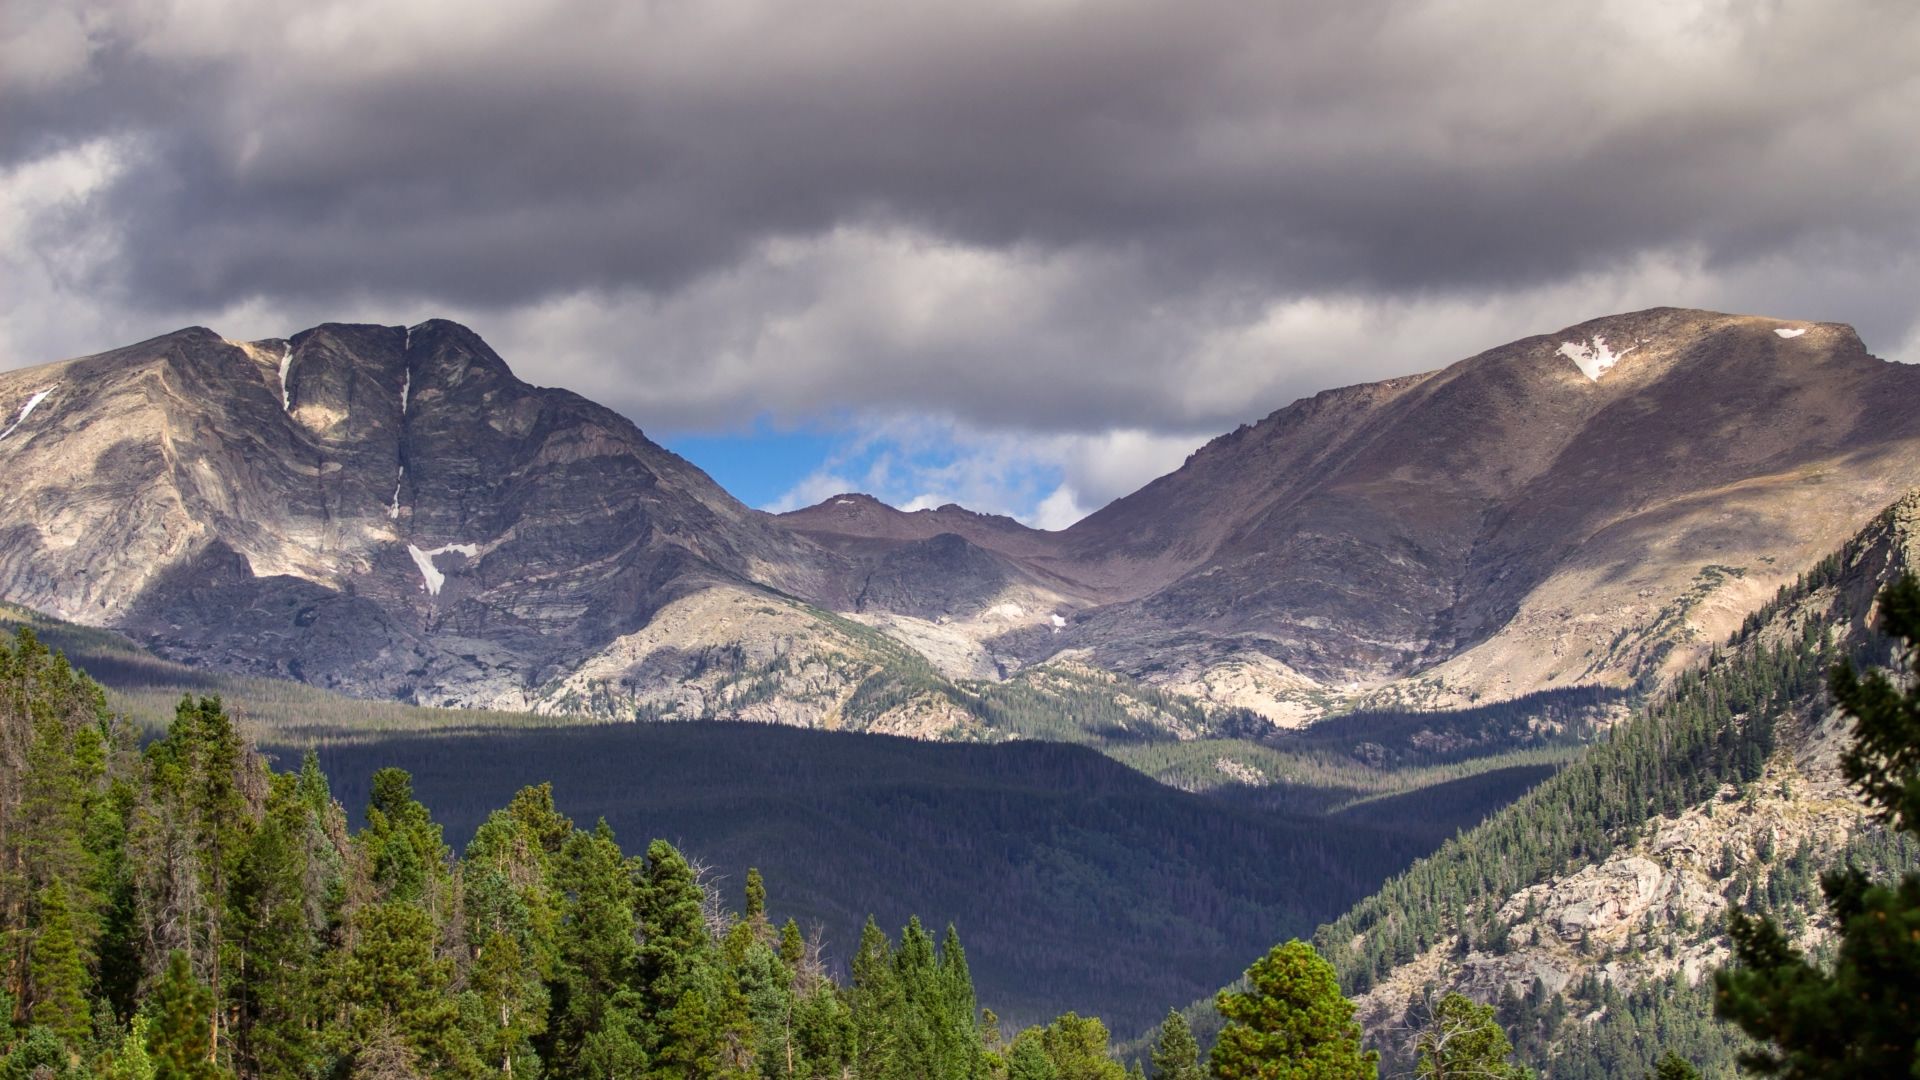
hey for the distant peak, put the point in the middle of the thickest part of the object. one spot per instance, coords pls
(442, 326)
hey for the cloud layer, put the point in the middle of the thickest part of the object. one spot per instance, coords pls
(1022, 219)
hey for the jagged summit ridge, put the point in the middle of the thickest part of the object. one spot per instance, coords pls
(390, 510)
(191, 497)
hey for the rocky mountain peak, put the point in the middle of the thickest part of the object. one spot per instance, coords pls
(393, 511)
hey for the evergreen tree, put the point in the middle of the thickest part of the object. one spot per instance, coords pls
(1077, 1047)
(1290, 1024)
(59, 975)
(180, 1035)
(513, 1005)
(1856, 1017)
(957, 1047)
(39, 1056)
(392, 984)
(876, 1002)
(793, 947)
(1463, 1041)
(1176, 1056)
(277, 943)
(756, 895)
(274, 936)
(700, 1021)
(1674, 1067)
(917, 1020)
(1028, 1060)
(595, 954)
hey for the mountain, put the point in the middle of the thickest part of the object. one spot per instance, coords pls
(1592, 506)
(390, 512)
(1593, 908)
(376, 509)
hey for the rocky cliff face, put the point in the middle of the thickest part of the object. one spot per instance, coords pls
(389, 511)
(1653, 911)
(380, 510)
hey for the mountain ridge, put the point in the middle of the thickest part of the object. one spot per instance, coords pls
(389, 511)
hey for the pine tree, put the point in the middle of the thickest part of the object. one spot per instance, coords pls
(1077, 1047)
(1028, 1059)
(180, 1035)
(1463, 1041)
(59, 974)
(594, 968)
(959, 1054)
(756, 895)
(1855, 1017)
(391, 982)
(876, 1001)
(793, 947)
(1674, 1067)
(513, 1005)
(274, 993)
(917, 1022)
(1290, 1024)
(1176, 1056)
(700, 1019)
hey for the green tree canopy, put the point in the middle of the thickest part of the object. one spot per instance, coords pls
(1176, 1056)
(1859, 1016)
(1291, 1023)
(1463, 1041)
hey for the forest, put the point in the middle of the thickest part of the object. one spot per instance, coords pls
(183, 910)
(1074, 878)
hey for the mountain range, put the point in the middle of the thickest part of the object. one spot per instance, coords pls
(389, 512)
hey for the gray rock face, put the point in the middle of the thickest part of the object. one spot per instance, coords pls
(379, 510)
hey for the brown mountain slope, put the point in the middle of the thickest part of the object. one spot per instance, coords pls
(1586, 506)
(1510, 523)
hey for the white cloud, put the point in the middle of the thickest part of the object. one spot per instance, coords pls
(1030, 289)
(1047, 480)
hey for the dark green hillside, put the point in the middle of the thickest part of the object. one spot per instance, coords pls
(1715, 726)
(1081, 883)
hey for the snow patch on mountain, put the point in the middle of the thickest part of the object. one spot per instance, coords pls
(286, 365)
(1793, 333)
(429, 572)
(393, 511)
(27, 409)
(1594, 358)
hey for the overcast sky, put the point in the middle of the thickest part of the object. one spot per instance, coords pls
(1023, 254)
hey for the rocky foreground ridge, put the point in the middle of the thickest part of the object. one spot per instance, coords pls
(390, 512)
(1647, 920)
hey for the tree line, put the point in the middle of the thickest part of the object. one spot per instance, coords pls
(184, 911)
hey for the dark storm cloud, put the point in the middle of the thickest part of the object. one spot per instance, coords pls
(1160, 173)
